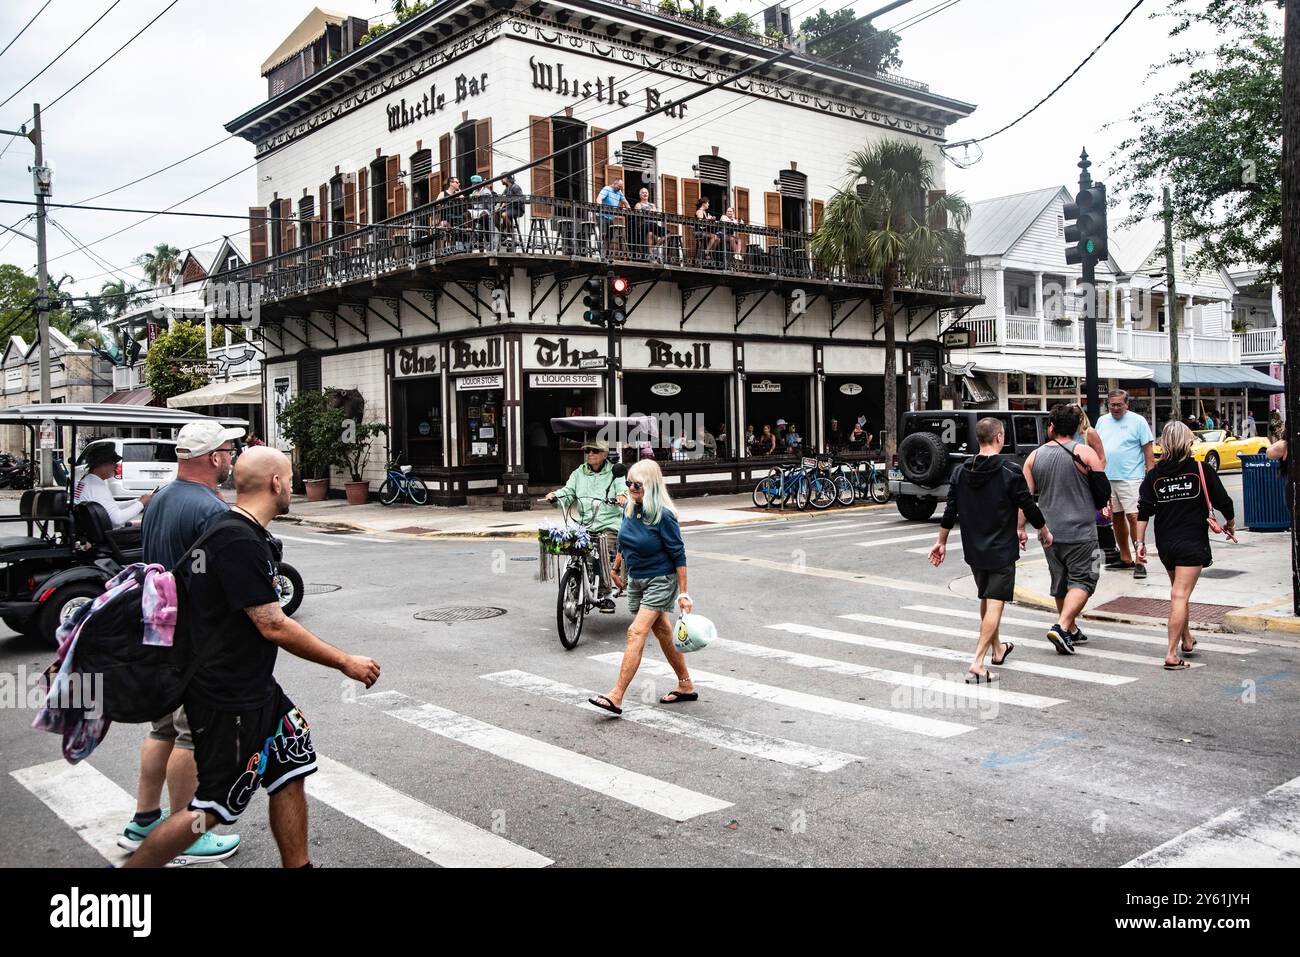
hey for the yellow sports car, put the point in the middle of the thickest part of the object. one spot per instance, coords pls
(1219, 449)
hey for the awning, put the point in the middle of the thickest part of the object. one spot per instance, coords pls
(1192, 375)
(977, 390)
(1046, 364)
(234, 392)
(140, 396)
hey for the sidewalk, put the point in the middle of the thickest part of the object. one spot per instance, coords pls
(1247, 589)
(436, 522)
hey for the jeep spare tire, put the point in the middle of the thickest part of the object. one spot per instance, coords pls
(923, 458)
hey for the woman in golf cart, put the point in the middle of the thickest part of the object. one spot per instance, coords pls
(595, 479)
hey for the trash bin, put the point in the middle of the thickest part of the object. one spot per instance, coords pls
(1264, 492)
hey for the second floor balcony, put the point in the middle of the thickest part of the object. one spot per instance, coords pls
(1066, 333)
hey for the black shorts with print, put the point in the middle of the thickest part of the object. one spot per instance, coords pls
(239, 751)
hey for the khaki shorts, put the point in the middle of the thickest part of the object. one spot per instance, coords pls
(1124, 495)
(657, 594)
(174, 727)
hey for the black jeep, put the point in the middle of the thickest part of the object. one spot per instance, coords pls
(936, 442)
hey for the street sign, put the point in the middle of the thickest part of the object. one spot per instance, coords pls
(959, 338)
(593, 362)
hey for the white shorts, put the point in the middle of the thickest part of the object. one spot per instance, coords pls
(1124, 495)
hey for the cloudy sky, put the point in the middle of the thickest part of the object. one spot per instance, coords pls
(169, 93)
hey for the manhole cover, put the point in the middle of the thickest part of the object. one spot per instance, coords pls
(524, 558)
(1222, 572)
(316, 588)
(459, 613)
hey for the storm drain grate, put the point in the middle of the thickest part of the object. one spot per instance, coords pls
(459, 613)
(524, 558)
(318, 588)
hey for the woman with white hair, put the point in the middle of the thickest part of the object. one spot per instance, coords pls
(1180, 493)
(652, 557)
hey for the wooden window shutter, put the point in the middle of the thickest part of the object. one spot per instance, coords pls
(363, 196)
(435, 186)
(399, 199)
(742, 209)
(349, 202)
(392, 180)
(599, 160)
(483, 148)
(772, 211)
(938, 216)
(612, 172)
(543, 174)
(444, 156)
(818, 210)
(323, 214)
(690, 195)
(257, 239)
(287, 232)
(668, 199)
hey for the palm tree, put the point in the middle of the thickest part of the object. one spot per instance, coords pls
(161, 264)
(882, 223)
(117, 296)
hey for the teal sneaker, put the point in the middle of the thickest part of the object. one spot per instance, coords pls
(134, 834)
(208, 848)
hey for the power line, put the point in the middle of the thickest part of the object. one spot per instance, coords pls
(25, 26)
(47, 107)
(1055, 89)
(924, 15)
(61, 52)
(91, 199)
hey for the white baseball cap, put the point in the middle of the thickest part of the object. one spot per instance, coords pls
(200, 438)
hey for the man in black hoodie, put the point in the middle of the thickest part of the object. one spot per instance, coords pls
(993, 500)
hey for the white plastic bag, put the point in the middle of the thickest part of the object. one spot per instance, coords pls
(693, 632)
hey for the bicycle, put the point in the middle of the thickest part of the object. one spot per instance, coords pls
(400, 483)
(580, 579)
(797, 482)
(851, 484)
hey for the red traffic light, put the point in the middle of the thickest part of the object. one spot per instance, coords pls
(619, 285)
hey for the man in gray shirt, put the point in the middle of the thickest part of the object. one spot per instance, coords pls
(176, 517)
(1057, 473)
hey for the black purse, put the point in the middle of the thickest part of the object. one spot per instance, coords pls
(1098, 483)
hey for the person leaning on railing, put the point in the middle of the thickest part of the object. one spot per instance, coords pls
(650, 231)
(511, 210)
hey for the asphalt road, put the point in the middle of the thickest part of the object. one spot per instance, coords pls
(833, 727)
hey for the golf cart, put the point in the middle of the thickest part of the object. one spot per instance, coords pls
(70, 551)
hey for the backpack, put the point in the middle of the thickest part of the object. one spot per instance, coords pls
(128, 650)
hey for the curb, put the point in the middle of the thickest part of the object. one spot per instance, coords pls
(1246, 620)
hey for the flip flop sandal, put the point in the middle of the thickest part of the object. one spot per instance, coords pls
(673, 697)
(1181, 666)
(975, 678)
(604, 704)
(1009, 647)
(1189, 652)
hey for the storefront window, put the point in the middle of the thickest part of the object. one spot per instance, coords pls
(691, 409)
(418, 427)
(481, 439)
(777, 399)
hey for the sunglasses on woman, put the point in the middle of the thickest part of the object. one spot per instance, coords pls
(636, 486)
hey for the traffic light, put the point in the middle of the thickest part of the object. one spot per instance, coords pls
(618, 289)
(1085, 236)
(594, 299)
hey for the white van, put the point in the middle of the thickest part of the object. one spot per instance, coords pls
(146, 464)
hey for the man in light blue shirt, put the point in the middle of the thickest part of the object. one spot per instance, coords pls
(612, 198)
(1127, 439)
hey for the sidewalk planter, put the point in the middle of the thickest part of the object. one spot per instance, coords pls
(358, 492)
(1263, 491)
(317, 489)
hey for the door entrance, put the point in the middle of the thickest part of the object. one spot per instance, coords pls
(544, 460)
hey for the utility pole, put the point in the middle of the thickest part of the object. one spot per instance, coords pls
(1291, 268)
(42, 188)
(1171, 316)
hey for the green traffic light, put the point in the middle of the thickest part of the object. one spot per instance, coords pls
(1091, 247)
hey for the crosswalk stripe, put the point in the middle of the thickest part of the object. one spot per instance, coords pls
(906, 678)
(899, 721)
(1259, 834)
(433, 834)
(659, 797)
(1123, 636)
(927, 651)
(875, 543)
(729, 529)
(812, 529)
(1082, 651)
(765, 746)
(957, 546)
(312, 541)
(87, 801)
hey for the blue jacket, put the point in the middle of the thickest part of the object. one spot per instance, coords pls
(651, 550)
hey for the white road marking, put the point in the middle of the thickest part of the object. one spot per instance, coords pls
(310, 541)
(1083, 651)
(928, 536)
(899, 721)
(88, 802)
(906, 678)
(433, 834)
(1091, 631)
(1262, 833)
(811, 528)
(763, 746)
(927, 651)
(659, 797)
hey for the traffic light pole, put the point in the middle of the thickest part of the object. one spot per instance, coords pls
(1089, 265)
(611, 360)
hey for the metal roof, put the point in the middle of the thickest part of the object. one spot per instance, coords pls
(112, 416)
(997, 224)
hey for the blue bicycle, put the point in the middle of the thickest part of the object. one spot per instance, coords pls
(401, 484)
(804, 484)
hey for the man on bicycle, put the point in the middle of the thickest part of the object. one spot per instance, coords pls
(595, 479)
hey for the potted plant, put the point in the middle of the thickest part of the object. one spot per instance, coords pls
(316, 432)
(355, 456)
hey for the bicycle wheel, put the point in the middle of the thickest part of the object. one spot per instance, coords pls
(390, 493)
(844, 492)
(766, 492)
(569, 611)
(879, 487)
(821, 492)
(418, 491)
(802, 494)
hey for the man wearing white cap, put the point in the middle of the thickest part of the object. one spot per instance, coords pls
(176, 517)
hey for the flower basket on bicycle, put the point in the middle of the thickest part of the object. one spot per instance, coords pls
(557, 541)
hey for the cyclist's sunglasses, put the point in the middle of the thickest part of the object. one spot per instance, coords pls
(636, 486)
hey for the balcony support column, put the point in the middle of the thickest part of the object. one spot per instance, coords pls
(1000, 304)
